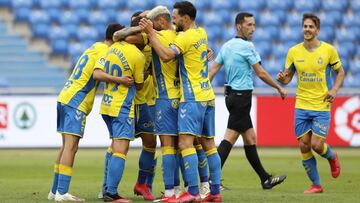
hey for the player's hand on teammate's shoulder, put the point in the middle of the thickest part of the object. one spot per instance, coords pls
(282, 92)
(126, 81)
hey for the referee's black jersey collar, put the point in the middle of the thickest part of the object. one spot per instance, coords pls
(241, 38)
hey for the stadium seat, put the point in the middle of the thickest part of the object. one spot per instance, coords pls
(22, 4)
(39, 17)
(281, 15)
(351, 20)
(354, 66)
(344, 35)
(22, 14)
(59, 46)
(213, 19)
(57, 33)
(252, 5)
(280, 50)
(334, 5)
(273, 66)
(268, 19)
(355, 6)
(100, 29)
(82, 14)
(97, 18)
(279, 5)
(229, 33)
(40, 30)
(327, 34)
(139, 5)
(303, 6)
(69, 17)
(213, 32)
(47, 4)
(293, 19)
(327, 19)
(71, 30)
(111, 14)
(261, 35)
(80, 4)
(75, 50)
(264, 48)
(224, 15)
(349, 46)
(291, 34)
(118, 4)
(200, 5)
(87, 34)
(5, 3)
(54, 14)
(220, 4)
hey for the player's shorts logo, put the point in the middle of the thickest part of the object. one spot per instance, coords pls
(175, 103)
(25, 115)
(347, 121)
(182, 113)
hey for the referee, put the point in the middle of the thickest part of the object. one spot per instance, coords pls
(239, 57)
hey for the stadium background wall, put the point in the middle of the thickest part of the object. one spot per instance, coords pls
(30, 121)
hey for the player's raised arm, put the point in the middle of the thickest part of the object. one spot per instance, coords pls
(124, 33)
(166, 54)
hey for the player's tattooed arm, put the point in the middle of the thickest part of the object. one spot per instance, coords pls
(284, 77)
(123, 33)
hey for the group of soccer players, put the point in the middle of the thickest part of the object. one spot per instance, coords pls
(156, 83)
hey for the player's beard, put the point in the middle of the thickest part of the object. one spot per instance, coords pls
(179, 27)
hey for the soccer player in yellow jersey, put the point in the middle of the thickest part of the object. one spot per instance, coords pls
(74, 104)
(313, 61)
(117, 109)
(197, 107)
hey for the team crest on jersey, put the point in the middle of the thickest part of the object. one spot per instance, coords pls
(320, 60)
(175, 103)
(102, 61)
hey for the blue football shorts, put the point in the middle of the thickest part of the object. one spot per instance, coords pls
(143, 120)
(70, 120)
(166, 120)
(120, 127)
(318, 122)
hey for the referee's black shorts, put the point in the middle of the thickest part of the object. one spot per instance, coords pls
(238, 104)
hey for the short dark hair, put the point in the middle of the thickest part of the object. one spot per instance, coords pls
(136, 14)
(186, 8)
(312, 17)
(240, 17)
(111, 29)
(136, 21)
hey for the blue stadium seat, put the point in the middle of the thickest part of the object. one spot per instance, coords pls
(355, 6)
(75, 50)
(277, 5)
(6, 3)
(355, 30)
(22, 4)
(354, 66)
(40, 30)
(280, 50)
(71, 30)
(80, 4)
(351, 20)
(273, 66)
(22, 14)
(294, 19)
(252, 5)
(54, 14)
(213, 32)
(349, 46)
(228, 33)
(261, 35)
(290, 34)
(334, 5)
(87, 34)
(307, 6)
(213, 19)
(57, 33)
(97, 17)
(268, 19)
(200, 5)
(100, 29)
(281, 15)
(82, 14)
(111, 13)
(69, 17)
(136, 5)
(344, 35)
(124, 17)
(59, 46)
(118, 4)
(39, 17)
(47, 4)
(169, 3)
(326, 19)
(327, 33)
(220, 78)
(220, 4)
(264, 48)
(224, 15)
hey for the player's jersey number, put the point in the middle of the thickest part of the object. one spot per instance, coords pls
(79, 67)
(114, 70)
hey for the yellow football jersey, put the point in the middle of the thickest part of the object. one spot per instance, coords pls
(140, 96)
(166, 74)
(123, 59)
(193, 63)
(79, 91)
(313, 74)
(150, 91)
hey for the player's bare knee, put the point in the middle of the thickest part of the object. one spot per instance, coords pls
(317, 147)
(305, 146)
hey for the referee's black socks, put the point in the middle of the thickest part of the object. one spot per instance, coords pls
(224, 150)
(253, 157)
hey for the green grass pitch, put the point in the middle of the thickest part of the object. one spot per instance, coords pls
(26, 176)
